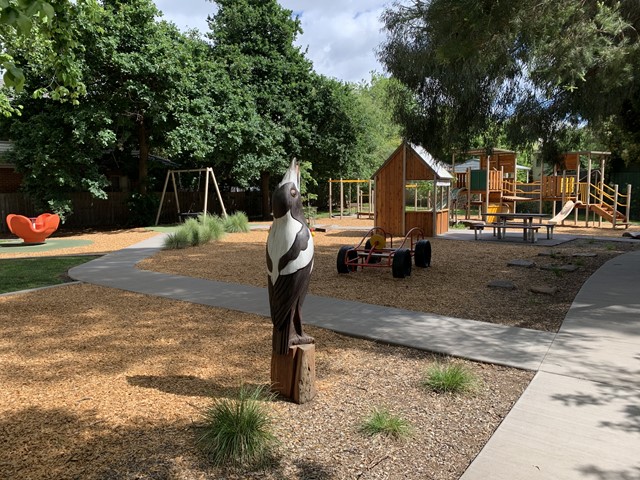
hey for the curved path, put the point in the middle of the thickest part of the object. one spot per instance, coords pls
(580, 416)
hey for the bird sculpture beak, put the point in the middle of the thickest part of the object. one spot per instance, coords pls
(292, 175)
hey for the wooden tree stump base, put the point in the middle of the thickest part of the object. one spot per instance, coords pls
(294, 375)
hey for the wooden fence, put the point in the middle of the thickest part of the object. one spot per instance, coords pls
(90, 212)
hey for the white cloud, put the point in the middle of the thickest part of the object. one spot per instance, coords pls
(340, 36)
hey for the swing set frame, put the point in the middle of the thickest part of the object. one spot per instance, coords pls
(172, 174)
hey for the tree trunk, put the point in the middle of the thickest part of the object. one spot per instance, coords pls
(294, 375)
(266, 195)
(143, 162)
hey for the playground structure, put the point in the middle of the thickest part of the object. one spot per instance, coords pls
(397, 211)
(33, 230)
(495, 188)
(364, 198)
(208, 175)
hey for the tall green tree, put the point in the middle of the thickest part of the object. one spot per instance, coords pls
(144, 92)
(383, 133)
(296, 112)
(46, 34)
(540, 66)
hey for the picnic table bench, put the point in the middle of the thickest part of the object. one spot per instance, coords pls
(529, 230)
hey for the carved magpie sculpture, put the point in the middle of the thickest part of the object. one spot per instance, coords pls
(289, 263)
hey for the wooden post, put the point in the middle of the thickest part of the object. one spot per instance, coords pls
(294, 375)
(628, 210)
(175, 191)
(404, 187)
(588, 202)
(602, 161)
(434, 211)
(468, 183)
(205, 208)
(215, 183)
(615, 205)
(164, 190)
(370, 199)
(577, 191)
(330, 202)
(486, 200)
(341, 197)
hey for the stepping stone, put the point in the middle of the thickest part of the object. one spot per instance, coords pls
(505, 284)
(560, 268)
(551, 254)
(521, 263)
(585, 255)
(543, 289)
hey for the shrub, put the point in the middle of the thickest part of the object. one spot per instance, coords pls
(214, 226)
(193, 229)
(176, 240)
(449, 378)
(237, 431)
(236, 223)
(381, 422)
(194, 232)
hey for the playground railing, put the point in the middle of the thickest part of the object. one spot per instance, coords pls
(611, 199)
(530, 189)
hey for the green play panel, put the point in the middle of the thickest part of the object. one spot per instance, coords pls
(18, 246)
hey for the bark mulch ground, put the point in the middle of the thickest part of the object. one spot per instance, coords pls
(99, 383)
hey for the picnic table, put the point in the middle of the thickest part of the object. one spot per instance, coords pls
(510, 221)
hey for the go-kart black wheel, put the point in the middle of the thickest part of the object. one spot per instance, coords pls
(423, 253)
(346, 253)
(401, 266)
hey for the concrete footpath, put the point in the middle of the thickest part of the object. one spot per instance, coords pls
(580, 416)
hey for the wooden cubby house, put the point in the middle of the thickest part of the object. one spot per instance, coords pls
(412, 189)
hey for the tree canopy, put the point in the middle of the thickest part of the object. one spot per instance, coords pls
(246, 101)
(535, 68)
(47, 36)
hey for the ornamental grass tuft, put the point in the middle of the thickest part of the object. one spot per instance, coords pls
(194, 232)
(236, 223)
(449, 378)
(237, 431)
(177, 240)
(382, 422)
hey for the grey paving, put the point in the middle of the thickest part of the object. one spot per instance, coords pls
(565, 428)
(521, 348)
(580, 416)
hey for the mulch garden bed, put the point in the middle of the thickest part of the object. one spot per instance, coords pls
(98, 383)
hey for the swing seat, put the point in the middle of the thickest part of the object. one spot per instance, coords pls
(185, 215)
(33, 230)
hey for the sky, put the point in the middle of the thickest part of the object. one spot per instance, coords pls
(341, 36)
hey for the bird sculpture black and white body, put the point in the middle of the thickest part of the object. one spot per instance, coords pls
(289, 263)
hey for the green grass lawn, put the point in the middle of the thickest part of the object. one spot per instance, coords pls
(24, 273)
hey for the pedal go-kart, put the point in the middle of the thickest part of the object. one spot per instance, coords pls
(376, 250)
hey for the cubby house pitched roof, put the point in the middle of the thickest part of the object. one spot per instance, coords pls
(440, 170)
